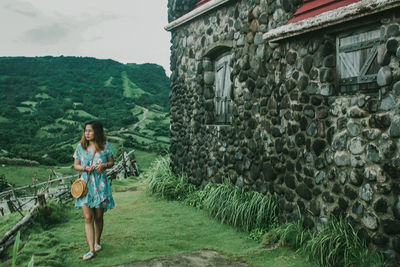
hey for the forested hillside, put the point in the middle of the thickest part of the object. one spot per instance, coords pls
(45, 100)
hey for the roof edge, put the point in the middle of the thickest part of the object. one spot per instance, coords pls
(195, 13)
(342, 14)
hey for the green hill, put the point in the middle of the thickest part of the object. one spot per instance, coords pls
(45, 100)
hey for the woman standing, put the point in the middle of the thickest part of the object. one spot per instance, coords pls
(92, 157)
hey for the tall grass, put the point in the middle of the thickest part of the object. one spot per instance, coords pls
(337, 244)
(288, 234)
(225, 202)
(162, 182)
(15, 249)
(244, 210)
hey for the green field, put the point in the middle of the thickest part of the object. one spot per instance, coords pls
(22, 175)
(25, 109)
(108, 82)
(143, 227)
(81, 113)
(30, 103)
(131, 90)
(42, 95)
(3, 119)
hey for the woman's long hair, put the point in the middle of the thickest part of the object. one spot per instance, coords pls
(99, 136)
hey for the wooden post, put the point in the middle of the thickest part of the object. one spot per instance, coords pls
(19, 204)
(124, 161)
(42, 201)
(2, 211)
(11, 206)
(34, 184)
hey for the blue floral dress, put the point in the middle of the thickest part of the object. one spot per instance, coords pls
(99, 186)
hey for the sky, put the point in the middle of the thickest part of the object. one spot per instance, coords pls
(127, 31)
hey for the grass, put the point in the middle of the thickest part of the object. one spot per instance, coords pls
(163, 138)
(137, 110)
(81, 113)
(143, 227)
(22, 175)
(144, 159)
(336, 245)
(30, 103)
(3, 119)
(109, 81)
(43, 95)
(8, 221)
(246, 211)
(131, 90)
(25, 109)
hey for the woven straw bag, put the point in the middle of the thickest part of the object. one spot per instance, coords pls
(79, 188)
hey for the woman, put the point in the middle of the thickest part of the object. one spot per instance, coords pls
(92, 157)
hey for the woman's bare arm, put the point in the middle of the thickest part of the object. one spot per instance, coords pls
(78, 167)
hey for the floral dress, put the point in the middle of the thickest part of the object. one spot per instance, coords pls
(99, 186)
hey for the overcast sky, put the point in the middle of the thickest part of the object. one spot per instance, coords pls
(128, 31)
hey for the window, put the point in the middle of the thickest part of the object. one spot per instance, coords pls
(357, 61)
(223, 86)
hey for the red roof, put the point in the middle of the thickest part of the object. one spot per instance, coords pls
(311, 8)
(201, 2)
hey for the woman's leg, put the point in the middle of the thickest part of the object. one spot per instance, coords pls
(98, 224)
(88, 214)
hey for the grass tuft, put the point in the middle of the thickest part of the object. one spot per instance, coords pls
(244, 210)
(162, 182)
(336, 245)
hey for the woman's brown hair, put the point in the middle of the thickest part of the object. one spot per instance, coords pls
(99, 136)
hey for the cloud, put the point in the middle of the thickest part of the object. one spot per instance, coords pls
(22, 8)
(96, 38)
(46, 35)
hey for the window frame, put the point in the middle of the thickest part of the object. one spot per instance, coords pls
(363, 82)
(223, 98)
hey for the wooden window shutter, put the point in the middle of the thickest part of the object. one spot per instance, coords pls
(357, 61)
(223, 89)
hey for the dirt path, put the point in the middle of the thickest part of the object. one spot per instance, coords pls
(200, 258)
(145, 110)
(123, 130)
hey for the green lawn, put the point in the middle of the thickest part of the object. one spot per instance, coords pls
(143, 227)
(22, 175)
(144, 159)
(6, 222)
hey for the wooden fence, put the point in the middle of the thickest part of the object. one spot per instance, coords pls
(57, 189)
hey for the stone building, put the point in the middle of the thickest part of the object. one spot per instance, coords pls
(298, 99)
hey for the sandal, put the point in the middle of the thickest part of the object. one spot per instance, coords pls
(88, 256)
(97, 247)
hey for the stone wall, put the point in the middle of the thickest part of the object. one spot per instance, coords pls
(178, 8)
(291, 134)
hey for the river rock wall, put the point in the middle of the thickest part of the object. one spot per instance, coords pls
(292, 132)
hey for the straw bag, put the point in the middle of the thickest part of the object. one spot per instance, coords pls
(79, 187)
